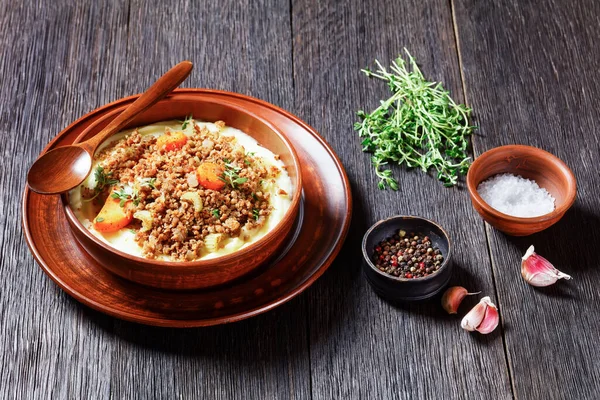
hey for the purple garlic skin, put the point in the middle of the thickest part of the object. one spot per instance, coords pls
(452, 298)
(483, 318)
(537, 271)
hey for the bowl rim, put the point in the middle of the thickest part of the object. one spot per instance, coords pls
(290, 213)
(558, 211)
(397, 278)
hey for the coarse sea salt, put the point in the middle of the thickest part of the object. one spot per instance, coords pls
(516, 196)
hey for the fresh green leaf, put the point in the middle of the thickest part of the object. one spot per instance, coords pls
(231, 174)
(124, 197)
(150, 182)
(103, 180)
(187, 121)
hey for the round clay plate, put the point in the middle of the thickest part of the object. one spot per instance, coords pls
(327, 209)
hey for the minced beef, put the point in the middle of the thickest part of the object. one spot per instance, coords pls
(161, 177)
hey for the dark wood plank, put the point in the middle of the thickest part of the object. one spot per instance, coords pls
(530, 74)
(54, 68)
(362, 347)
(233, 47)
(69, 60)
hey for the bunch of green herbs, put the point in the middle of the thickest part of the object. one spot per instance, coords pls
(419, 125)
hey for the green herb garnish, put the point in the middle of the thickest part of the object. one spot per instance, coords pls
(99, 219)
(249, 154)
(231, 174)
(150, 183)
(420, 126)
(124, 197)
(216, 213)
(255, 213)
(103, 179)
(186, 121)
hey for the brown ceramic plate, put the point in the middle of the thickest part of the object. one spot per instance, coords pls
(327, 209)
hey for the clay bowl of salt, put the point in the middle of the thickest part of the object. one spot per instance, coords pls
(521, 190)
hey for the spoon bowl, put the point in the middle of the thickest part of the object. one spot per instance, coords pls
(64, 168)
(49, 174)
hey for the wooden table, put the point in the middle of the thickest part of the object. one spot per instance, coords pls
(527, 68)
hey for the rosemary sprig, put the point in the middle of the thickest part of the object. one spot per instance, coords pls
(231, 174)
(103, 179)
(124, 197)
(419, 125)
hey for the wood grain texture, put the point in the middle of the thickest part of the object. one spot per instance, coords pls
(49, 346)
(233, 47)
(361, 346)
(530, 70)
(69, 60)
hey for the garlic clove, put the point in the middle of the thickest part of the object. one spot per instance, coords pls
(452, 298)
(490, 319)
(483, 317)
(473, 319)
(537, 271)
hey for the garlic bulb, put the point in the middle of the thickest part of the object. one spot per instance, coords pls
(483, 317)
(538, 271)
(452, 298)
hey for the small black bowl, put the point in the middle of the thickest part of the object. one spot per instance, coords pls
(404, 289)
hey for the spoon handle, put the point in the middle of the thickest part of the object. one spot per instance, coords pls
(163, 86)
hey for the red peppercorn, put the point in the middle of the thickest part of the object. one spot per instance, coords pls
(381, 257)
(422, 265)
(377, 249)
(409, 275)
(394, 263)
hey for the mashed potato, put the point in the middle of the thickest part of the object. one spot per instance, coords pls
(185, 192)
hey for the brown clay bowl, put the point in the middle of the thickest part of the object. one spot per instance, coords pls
(201, 273)
(547, 170)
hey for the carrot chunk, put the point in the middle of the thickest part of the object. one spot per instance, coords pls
(209, 176)
(112, 216)
(171, 140)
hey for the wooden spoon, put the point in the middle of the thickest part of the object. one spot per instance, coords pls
(64, 168)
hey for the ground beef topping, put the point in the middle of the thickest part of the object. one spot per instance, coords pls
(188, 193)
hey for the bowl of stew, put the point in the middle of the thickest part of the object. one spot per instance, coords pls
(194, 193)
